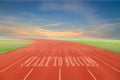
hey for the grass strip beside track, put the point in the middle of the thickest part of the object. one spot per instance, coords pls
(7, 45)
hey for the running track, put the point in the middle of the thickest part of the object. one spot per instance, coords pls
(106, 66)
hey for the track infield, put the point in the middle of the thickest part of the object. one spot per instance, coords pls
(59, 60)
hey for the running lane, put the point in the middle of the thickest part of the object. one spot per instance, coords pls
(59, 60)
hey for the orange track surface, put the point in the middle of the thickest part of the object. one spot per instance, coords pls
(102, 65)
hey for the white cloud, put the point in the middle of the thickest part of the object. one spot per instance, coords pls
(55, 24)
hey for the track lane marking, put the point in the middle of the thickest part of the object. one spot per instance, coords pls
(110, 66)
(13, 64)
(93, 76)
(108, 55)
(107, 64)
(28, 74)
(60, 74)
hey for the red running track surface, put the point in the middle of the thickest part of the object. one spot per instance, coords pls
(59, 60)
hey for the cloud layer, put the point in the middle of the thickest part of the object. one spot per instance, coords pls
(58, 19)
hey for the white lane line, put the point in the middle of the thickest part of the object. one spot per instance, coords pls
(107, 64)
(59, 73)
(91, 74)
(110, 66)
(28, 74)
(13, 64)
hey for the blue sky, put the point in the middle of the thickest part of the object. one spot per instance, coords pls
(79, 19)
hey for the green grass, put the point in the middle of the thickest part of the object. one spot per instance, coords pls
(112, 45)
(7, 45)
